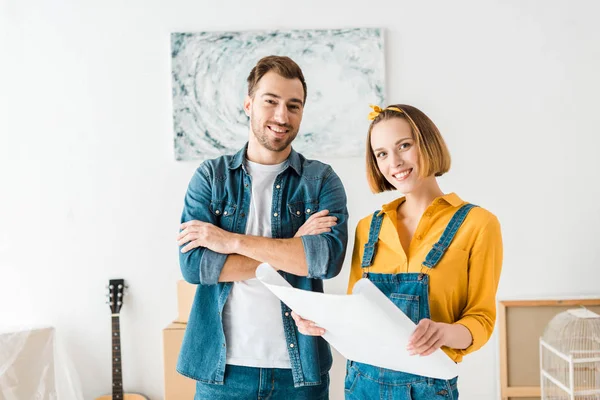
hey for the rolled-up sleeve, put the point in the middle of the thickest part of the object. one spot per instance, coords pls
(485, 265)
(200, 265)
(325, 252)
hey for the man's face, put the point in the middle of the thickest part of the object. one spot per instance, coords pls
(275, 111)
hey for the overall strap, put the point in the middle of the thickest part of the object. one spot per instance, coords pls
(371, 245)
(437, 252)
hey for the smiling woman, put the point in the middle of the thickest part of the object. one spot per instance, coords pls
(401, 133)
(436, 257)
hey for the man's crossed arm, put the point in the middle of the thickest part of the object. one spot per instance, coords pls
(246, 252)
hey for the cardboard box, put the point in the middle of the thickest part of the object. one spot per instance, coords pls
(177, 386)
(185, 296)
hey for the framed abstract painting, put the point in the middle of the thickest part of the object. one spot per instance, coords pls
(343, 68)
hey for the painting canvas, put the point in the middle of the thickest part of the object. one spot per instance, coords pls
(343, 68)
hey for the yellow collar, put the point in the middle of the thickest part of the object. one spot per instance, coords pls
(450, 198)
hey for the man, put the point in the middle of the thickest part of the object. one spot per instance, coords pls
(267, 203)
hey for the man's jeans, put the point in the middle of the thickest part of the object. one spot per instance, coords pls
(247, 383)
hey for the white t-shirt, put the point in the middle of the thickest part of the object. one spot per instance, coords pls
(252, 314)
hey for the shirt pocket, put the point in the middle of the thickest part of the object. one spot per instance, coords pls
(408, 303)
(300, 211)
(224, 213)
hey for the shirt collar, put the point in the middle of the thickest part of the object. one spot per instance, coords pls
(453, 199)
(450, 198)
(294, 160)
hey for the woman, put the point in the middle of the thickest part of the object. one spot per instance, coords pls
(435, 256)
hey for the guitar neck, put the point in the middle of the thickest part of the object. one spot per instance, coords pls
(117, 376)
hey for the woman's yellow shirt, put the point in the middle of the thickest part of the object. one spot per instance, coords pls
(463, 284)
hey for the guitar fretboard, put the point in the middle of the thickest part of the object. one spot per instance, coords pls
(117, 377)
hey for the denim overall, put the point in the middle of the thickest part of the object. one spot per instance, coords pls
(410, 293)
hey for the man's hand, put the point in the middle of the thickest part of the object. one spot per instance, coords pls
(203, 234)
(316, 224)
(307, 327)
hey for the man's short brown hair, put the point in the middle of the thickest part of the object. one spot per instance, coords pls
(283, 66)
(434, 157)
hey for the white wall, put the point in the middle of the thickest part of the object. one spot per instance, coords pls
(90, 190)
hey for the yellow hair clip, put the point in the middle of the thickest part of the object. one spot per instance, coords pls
(378, 110)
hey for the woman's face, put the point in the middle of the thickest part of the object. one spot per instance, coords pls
(397, 155)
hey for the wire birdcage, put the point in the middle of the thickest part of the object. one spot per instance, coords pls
(570, 356)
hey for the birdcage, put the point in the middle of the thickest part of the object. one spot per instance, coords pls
(570, 356)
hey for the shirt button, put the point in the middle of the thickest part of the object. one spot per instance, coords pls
(297, 212)
(218, 212)
(225, 213)
(287, 314)
(291, 344)
(440, 201)
(277, 187)
(308, 210)
(419, 237)
(243, 215)
(275, 214)
(428, 214)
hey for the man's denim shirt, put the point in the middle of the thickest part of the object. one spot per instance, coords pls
(220, 193)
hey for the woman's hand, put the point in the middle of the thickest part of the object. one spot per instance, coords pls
(427, 337)
(430, 336)
(307, 327)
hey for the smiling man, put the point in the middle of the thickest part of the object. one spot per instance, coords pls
(266, 203)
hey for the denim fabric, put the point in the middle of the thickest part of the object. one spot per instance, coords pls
(410, 293)
(366, 382)
(220, 193)
(437, 252)
(247, 383)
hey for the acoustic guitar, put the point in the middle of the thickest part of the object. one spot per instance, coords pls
(115, 300)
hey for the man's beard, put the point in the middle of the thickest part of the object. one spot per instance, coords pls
(261, 134)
